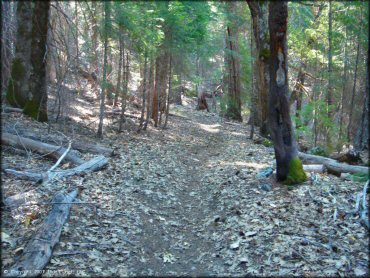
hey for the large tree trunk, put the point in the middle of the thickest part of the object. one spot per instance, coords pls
(36, 107)
(288, 166)
(7, 20)
(233, 62)
(259, 13)
(102, 93)
(18, 85)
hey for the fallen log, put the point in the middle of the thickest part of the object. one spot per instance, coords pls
(92, 148)
(42, 148)
(89, 166)
(39, 250)
(315, 168)
(8, 109)
(331, 165)
(19, 199)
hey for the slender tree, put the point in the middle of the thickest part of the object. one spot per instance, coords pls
(103, 87)
(288, 166)
(329, 95)
(233, 64)
(259, 13)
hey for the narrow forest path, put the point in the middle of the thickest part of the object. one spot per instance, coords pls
(186, 202)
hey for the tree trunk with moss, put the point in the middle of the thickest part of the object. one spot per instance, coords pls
(259, 13)
(17, 93)
(7, 39)
(288, 166)
(36, 107)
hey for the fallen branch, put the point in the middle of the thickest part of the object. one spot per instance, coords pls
(39, 250)
(61, 158)
(8, 109)
(42, 148)
(19, 199)
(332, 166)
(89, 166)
(92, 148)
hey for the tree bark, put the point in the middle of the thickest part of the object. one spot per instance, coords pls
(288, 166)
(18, 85)
(36, 107)
(259, 13)
(7, 20)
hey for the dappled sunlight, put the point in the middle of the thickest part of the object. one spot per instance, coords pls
(253, 165)
(210, 128)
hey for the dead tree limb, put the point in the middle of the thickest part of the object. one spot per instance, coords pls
(89, 166)
(332, 165)
(39, 250)
(92, 148)
(42, 148)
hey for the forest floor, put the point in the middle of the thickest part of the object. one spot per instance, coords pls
(186, 201)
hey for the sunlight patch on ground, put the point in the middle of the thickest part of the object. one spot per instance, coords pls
(237, 133)
(210, 128)
(254, 165)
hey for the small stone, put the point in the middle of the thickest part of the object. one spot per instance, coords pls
(266, 187)
(264, 173)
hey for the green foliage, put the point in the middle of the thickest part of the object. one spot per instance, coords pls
(264, 53)
(296, 173)
(267, 143)
(360, 177)
(318, 151)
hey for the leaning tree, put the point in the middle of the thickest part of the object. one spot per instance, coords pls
(288, 166)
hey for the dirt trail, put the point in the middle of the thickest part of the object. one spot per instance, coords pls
(186, 241)
(186, 201)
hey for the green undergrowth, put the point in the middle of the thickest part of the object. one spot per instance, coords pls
(267, 143)
(360, 177)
